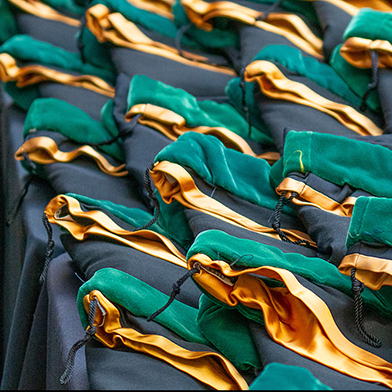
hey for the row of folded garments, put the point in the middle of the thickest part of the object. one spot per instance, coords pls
(222, 175)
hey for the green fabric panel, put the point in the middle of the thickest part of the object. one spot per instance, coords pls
(132, 216)
(235, 343)
(224, 167)
(51, 114)
(69, 5)
(173, 221)
(371, 221)
(278, 376)
(217, 244)
(356, 78)
(321, 73)
(234, 91)
(276, 173)
(143, 89)
(357, 163)
(142, 300)
(24, 47)
(23, 97)
(370, 24)
(107, 119)
(7, 22)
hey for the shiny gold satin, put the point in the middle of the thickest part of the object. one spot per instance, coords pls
(44, 150)
(310, 197)
(290, 26)
(275, 85)
(115, 28)
(357, 52)
(208, 367)
(34, 74)
(36, 7)
(172, 125)
(64, 211)
(294, 316)
(373, 272)
(174, 183)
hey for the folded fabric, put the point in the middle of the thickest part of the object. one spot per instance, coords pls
(142, 42)
(31, 69)
(290, 90)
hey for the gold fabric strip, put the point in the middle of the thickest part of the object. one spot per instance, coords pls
(275, 85)
(357, 51)
(33, 74)
(373, 272)
(115, 28)
(290, 26)
(294, 316)
(172, 125)
(310, 197)
(44, 150)
(65, 210)
(174, 183)
(208, 367)
(36, 7)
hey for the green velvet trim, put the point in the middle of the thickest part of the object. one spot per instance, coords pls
(23, 97)
(142, 300)
(370, 24)
(51, 114)
(321, 73)
(217, 244)
(235, 343)
(357, 79)
(7, 22)
(69, 5)
(107, 119)
(25, 47)
(173, 221)
(371, 221)
(133, 216)
(276, 173)
(357, 163)
(242, 175)
(278, 376)
(208, 113)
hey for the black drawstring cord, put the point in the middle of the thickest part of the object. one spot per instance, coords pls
(244, 104)
(151, 194)
(29, 179)
(90, 332)
(49, 248)
(371, 86)
(180, 33)
(176, 289)
(121, 134)
(276, 216)
(357, 288)
(273, 8)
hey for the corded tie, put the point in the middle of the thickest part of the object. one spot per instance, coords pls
(29, 179)
(49, 247)
(90, 332)
(176, 289)
(371, 86)
(357, 288)
(180, 33)
(273, 8)
(151, 194)
(276, 216)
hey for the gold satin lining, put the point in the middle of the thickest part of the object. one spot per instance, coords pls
(163, 8)
(357, 51)
(373, 272)
(208, 367)
(172, 125)
(310, 197)
(33, 74)
(294, 317)
(65, 210)
(115, 28)
(36, 7)
(44, 150)
(275, 85)
(290, 26)
(173, 182)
